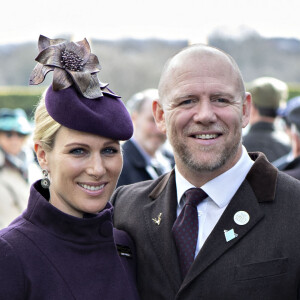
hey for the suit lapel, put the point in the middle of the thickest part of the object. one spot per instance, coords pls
(216, 245)
(164, 205)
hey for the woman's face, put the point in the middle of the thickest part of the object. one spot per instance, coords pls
(12, 142)
(83, 170)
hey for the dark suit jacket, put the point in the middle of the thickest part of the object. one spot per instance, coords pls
(134, 165)
(293, 168)
(263, 262)
(263, 137)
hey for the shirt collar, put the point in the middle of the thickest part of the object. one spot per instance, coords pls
(222, 188)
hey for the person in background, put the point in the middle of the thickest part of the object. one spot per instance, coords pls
(292, 166)
(64, 246)
(224, 223)
(283, 112)
(18, 168)
(144, 154)
(263, 136)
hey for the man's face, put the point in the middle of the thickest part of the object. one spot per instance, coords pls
(203, 114)
(146, 132)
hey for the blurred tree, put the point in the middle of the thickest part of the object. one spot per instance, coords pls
(258, 56)
(131, 65)
(128, 65)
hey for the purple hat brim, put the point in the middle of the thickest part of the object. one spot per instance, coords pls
(105, 116)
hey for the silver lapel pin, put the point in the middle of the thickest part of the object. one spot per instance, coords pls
(230, 235)
(241, 217)
(158, 219)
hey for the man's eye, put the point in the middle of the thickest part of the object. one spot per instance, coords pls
(220, 101)
(187, 101)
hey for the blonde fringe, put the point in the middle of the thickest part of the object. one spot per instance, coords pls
(45, 127)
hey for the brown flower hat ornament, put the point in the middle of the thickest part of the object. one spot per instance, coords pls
(77, 99)
(72, 63)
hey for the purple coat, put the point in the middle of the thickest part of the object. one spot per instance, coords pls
(47, 254)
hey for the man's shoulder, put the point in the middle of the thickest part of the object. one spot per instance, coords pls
(136, 189)
(129, 199)
(139, 191)
(286, 183)
(268, 182)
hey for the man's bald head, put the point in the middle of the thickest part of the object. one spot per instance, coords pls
(197, 53)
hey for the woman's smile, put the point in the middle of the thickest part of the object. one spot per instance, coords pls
(92, 189)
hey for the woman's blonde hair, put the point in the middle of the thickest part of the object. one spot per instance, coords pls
(45, 127)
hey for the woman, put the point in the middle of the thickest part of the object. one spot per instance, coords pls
(64, 246)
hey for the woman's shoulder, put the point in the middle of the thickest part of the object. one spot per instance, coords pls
(13, 233)
(7, 245)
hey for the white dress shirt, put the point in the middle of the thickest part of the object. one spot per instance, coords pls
(220, 190)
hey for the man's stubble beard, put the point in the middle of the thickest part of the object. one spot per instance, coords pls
(222, 157)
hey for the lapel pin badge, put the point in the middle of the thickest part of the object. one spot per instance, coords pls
(158, 219)
(241, 218)
(230, 235)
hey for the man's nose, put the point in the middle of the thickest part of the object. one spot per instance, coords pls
(204, 112)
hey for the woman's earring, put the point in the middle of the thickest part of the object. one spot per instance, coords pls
(45, 182)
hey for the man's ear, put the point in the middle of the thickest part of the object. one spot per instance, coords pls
(41, 155)
(159, 116)
(247, 109)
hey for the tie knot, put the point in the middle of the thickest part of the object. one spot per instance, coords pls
(194, 196)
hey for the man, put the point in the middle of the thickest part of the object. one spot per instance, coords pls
(144, 157)
(293, 119)
(263, 136)
(248, 224)
(284, 113)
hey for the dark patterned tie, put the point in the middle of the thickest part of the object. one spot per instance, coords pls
(185, 229)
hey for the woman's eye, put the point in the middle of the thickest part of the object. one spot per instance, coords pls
(77, 151)
(109, 151)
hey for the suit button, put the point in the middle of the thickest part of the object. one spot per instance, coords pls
(106, 229)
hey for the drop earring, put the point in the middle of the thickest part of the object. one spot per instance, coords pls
(45, 182)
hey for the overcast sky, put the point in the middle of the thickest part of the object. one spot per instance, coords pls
(25, 20)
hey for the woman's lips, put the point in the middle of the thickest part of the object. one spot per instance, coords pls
(92, 189)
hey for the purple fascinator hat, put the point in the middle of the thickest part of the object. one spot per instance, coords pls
(77, 99)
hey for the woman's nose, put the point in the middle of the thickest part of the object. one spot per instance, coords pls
(96, 166)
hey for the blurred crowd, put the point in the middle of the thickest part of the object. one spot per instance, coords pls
(18, 167)
(274, 127)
